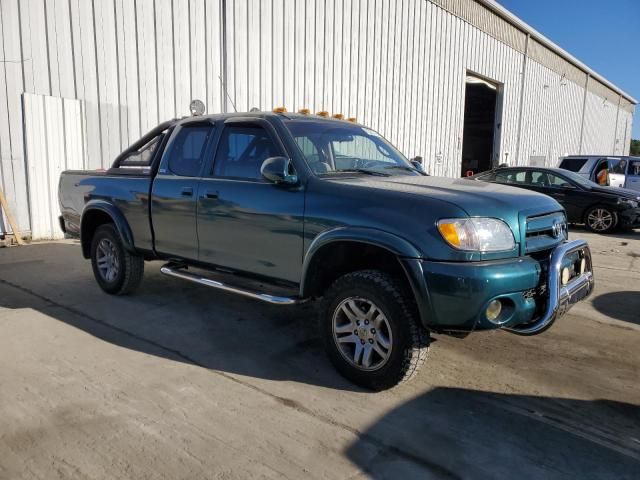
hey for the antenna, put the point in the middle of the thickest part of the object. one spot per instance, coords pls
(224, 87)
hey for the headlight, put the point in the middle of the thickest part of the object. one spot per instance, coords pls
(627, 202)
(477, 234)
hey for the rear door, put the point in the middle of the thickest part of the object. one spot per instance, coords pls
(633, 175)
(175, 188)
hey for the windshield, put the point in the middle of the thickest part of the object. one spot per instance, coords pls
(330, 146)
(579, 179)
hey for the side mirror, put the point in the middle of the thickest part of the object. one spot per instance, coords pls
(417, 163)
(278, 170)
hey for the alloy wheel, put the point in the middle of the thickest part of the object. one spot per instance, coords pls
(362, 333)
(107, 260)
(600, 219)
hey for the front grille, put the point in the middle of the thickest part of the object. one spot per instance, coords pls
(544, 232)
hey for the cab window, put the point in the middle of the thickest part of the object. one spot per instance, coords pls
(618, 166)
(558, 182)
(517, 177)
(241, 152)
(573, 164)
(634, 168)
(539, 179)
(187, 150)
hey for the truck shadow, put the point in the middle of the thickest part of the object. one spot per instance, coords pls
(459, 433)
(177, 320)
(623, 306)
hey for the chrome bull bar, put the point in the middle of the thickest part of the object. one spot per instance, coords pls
(561, 297)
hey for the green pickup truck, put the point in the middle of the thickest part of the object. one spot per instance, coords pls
(288, 208)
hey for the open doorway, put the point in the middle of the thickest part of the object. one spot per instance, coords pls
(480, 135)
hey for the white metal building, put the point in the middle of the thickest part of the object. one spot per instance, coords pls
(81, 79)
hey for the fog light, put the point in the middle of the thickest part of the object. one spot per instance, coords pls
(583, 266)
(565, 275)
(493, 310)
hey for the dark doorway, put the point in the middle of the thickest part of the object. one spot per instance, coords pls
(479, 125)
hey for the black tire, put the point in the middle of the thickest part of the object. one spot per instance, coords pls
(601, 219)
(129, 268)
(408, 339)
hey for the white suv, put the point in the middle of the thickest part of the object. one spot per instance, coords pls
(616, 171)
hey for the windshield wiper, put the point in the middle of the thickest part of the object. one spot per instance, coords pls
(406, 168)
(360, 170)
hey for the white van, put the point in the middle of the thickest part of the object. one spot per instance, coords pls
(616, 171)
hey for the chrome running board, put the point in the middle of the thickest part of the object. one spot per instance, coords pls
(180, 272)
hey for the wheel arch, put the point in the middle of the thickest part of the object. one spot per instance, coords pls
(342, 250)
(99, 212)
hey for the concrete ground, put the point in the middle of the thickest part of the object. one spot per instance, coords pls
(179, 381)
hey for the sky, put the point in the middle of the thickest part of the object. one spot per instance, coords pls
(603, 35)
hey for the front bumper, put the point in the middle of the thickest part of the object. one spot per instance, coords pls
(453, 296)
(630, 218)
(561, 297)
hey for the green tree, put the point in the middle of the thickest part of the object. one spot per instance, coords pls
(635, 147)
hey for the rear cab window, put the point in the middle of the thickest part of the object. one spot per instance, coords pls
(186, 153)
(143, 156)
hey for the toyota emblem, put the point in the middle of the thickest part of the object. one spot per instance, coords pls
(558, 229)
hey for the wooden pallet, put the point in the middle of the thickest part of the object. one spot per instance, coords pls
(12, 223)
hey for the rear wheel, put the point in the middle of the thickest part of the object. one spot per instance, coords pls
(601, 219)
(117, 271)
(371, 330)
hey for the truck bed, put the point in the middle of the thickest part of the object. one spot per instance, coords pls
(126, 188)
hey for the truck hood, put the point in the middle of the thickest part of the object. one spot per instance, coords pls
(475, 198)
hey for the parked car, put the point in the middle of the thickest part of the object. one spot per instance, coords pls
(614, 171)
(601, 209)
(287, 208)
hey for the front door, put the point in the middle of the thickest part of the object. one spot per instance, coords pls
(174, 193)
(246, 223)
(633, 175)
(617, 172)
(570, 196)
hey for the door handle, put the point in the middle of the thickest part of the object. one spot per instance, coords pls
(187, 192)
(211, 195)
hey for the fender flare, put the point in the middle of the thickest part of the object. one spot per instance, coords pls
(118, 219)
(407, 254)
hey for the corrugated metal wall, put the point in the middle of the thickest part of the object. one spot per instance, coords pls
(398, 66)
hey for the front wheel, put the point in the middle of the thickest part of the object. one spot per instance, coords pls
(601, 219)
(371, 330)
(117, 271)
